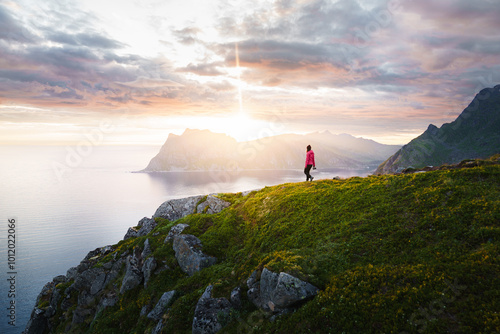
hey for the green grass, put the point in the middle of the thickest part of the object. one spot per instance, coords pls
(415, 253)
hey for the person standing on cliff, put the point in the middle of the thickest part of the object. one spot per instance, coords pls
(309, 163)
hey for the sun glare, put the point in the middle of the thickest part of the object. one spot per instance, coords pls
(241, 127)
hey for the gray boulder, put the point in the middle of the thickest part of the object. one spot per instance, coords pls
(177, 208)
(71, 273)
(210, 314)
(147, 249)
(290, 290)
(147, 269)
(114, 270)
(132, 232)
(131, 279)
(175, 230)
(253, 292)
(133, 274)
(108, 300)
(147, 225)
(160, 308)
(254, 278)
(236, 298)
(144, 226)
(59, 279)
(212, 205)
(278, 292)
(38, 322)
(189, 255)
(55, 298)
(268, 283)
(98, 282)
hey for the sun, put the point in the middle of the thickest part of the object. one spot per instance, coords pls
(240, 126)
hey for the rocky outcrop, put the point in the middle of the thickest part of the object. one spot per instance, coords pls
(274, 293)
(211, 314)
(105, 277)
(38, 322)
(93, 288)
(160, 307)
(144, 226)
(174, 231)
(148, 268)
(278, 292)
(189, 255)
(212, 205)
(236, 297)
(175, 209)
(88, 289)
(133, 273)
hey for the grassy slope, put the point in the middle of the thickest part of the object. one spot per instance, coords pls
(391, 253)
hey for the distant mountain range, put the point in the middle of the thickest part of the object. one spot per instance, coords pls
(205, 150)
(474, 134)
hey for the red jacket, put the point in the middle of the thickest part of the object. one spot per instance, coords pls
(310, 158)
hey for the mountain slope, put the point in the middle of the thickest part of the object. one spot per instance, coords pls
(204, 150)
(413, 253)
(474, 134)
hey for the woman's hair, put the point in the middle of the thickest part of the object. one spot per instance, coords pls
(308, 148)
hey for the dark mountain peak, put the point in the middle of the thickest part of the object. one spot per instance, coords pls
(475, 134)
(432, 129)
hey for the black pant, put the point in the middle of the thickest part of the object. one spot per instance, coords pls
(306, 171)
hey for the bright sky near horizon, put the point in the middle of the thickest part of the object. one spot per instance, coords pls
(130, 72)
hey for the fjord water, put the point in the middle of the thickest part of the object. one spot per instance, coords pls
(66, 204)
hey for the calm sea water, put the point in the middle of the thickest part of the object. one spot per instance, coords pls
(66, 203)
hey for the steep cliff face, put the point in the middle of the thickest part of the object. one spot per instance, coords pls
(205, 150)
(108, 275)
(72, 301)
(474, 134)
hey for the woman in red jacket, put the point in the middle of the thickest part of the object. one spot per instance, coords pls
(309, 163)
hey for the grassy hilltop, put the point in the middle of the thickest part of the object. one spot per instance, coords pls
(416, 253)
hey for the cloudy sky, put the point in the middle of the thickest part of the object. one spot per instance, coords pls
(130, 72)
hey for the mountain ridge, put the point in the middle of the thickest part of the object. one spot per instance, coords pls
(475, 133)
(206, 150)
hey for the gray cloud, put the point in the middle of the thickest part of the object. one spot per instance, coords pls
(83, 66)
(187, 36)
(12, 30)
(91, 40)
(205, 69)
(426, 52)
